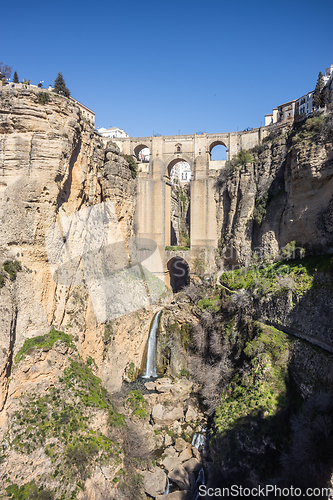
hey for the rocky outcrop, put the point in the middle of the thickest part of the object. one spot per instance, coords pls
(281, 192)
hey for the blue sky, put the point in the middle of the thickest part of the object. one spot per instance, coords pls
(172, 66)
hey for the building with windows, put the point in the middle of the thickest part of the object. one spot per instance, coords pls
(301, 108)
(180, 173)
(112, 132)
(304, 106)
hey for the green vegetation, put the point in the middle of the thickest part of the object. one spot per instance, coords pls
(318, 96)
(260, 209)
(308, 130)
(179, 248)
(267, 279)
(261, 391)
(132, 165)
(137, 403)
(60, 86)
(43, 341)
(43, 97)
(241, 159)
(12, 267)
(85, 385)
(59, 421)
(15, 77)
(2, 279)
(185, 239)
(28, 491)
(211, 303)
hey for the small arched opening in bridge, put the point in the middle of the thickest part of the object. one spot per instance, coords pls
(142, 153)
(178, 224)
(218, 151)
(179, 272)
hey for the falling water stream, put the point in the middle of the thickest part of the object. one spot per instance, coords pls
(151, 368)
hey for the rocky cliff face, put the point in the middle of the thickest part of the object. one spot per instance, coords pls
(52, 164)
(279, 192)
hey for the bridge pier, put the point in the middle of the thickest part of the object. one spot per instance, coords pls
(152, 217)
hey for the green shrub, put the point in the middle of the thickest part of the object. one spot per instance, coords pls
(178, 248)
(28, 491)
(210, 303)
(43, 97)
(137, 403)
(42, 341)
(262, 389)
(132, 165)
(2, 279)
(12, 267)
(260, 209)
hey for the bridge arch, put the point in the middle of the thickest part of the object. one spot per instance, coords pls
(139, 148)
(222, 150)
(179, 272)
(173, 162)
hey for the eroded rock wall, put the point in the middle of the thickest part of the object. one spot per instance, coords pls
(52, 164)
(284, 194)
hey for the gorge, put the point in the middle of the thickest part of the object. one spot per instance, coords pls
(77, 419)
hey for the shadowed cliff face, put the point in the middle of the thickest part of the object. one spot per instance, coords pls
(284, 194)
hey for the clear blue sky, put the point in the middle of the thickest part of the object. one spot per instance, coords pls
(172, 66)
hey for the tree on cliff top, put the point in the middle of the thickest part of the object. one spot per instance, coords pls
(5, 71)
(60, 86)
(318, 96)
(15, 77)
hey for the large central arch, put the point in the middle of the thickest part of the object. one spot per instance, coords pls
(168, 187)
(176, 160)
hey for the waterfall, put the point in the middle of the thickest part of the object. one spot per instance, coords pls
(151, 368)
(167, 489)
(198, 440)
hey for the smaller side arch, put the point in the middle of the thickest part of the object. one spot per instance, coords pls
(139, 148)
(222, 152)
(179, 272)
(216, 143)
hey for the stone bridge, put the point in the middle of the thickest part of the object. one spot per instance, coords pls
(154, 190)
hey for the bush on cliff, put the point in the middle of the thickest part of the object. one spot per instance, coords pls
(132, 165)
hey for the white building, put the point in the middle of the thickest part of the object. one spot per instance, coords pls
(180, 173)
(328, 74)
(112, 132)
(304, 106)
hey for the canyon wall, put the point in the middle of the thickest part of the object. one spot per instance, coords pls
(279, 192)
(52, 165)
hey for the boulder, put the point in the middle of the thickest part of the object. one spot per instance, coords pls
(180, 444)
(191, 414)
(196, 453)
(170, 463)
(192, 465)
(171, 452)
(150, 386)
(163, 417)
(154, 482)
(167, 440)
(185, 455)
(181, 477)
